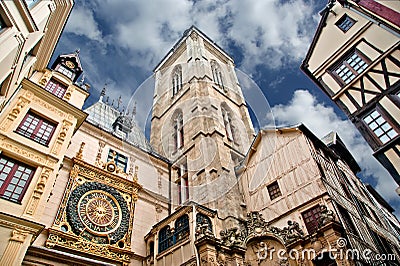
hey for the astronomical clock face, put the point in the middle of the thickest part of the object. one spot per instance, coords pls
(98, 213)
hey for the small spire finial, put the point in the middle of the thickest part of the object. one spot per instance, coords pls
(77, 51)
(119, 101)
(103, 92)
(134, 110)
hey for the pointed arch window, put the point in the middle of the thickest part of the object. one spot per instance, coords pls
(178, 130)
(217, 74)
(181, 228)
(229, 127)
(176, 80)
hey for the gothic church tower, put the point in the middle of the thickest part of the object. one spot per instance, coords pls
(200, 121)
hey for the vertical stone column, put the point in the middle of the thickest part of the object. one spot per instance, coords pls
(14, 253)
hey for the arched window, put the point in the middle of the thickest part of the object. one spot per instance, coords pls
(178, 130)
(181, 228)
(204, 223)
(176, 79)
(165, 239)
(229, 127)
(217, 74)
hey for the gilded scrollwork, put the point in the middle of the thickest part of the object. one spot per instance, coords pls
(86, 246)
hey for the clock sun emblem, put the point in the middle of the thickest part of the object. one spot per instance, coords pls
(98, 213)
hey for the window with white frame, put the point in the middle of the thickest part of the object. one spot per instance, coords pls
(66, 71)
(56, 88)
(14, 178)
(36, 128)
(345, 23)
(350, 67)
(381, 128)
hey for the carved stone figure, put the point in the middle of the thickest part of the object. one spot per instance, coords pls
(255, 223)
(326, 216)
(232, 237)
(290, 233)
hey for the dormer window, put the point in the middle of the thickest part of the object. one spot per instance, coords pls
(66, 71)
(69, 65)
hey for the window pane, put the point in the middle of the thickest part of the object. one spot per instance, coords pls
(380, 127)
(34, 127)
(56, 88)
(350, 67)
(14, 181)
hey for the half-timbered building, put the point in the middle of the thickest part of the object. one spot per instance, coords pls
(355, 59)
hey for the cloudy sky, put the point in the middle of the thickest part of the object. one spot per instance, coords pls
(121, 41)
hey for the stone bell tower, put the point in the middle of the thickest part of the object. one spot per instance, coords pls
(200, 121)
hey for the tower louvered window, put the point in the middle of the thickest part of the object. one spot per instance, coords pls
(177, 80)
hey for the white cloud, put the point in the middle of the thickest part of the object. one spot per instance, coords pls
(82, 22)
(321, 119)
(269, 33)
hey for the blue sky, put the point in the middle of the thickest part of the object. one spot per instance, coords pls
(121, 41)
